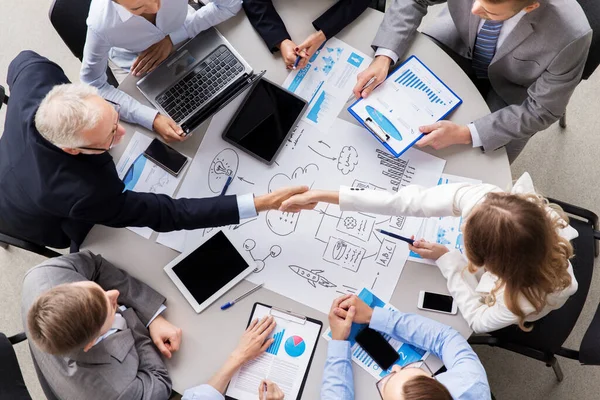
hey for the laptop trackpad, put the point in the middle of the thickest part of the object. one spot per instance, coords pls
(181, 63)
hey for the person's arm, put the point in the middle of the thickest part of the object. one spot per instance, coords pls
(213, 13)
(546, 100)
(338, 16)
(264, 18)
(338, 382)
(93, 72)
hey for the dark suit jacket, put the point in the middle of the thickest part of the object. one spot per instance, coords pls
(268, 23)
(51, 197)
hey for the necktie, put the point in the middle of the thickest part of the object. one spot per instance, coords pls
(485, 47)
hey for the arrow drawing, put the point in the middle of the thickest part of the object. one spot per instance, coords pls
(312, 276)
(243, 180)
(246, 222)
(322, 142)
(322, 155)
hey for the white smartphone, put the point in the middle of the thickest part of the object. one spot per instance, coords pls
(437, 302)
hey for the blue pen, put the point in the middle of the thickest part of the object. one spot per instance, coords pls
(390, 234)
(248, 293)
(229, 179)
(298, 58)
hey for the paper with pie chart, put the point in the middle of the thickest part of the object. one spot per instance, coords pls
(286, 360)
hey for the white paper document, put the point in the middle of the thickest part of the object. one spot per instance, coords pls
(412, 96)
(285, 362)
(442, 230)
(312, 256)
(327, 81)
(139, 174)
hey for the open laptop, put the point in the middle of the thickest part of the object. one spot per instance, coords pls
(197, 80)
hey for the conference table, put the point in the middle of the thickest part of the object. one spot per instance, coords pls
(209, 337)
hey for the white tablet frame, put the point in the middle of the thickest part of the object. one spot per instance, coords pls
(199, 307)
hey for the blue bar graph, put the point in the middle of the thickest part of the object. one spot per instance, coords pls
(274, 347)
(410, 80)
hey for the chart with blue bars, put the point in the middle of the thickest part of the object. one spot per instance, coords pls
(410, 80)
(274, 347)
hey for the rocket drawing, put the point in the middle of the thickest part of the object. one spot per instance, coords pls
(312, 276)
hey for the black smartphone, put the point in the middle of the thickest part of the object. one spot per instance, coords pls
(377, 347)
(166, 157)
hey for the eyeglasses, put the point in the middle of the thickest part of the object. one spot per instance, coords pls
(416, 364)
(113, 133)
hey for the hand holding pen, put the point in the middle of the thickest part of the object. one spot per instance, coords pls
(268, 390)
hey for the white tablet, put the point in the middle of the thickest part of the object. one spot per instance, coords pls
(210, 270)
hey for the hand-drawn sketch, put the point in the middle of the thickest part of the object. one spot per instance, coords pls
(348, 160)
(386, 252)
(163, 181)
(344, 254)
(294, 137)
(284, 223)
(397, 222)
(312, 276)
(365, 185)
(250, 244)
(357, 225)
(399, 171)
(224, 165)
(347, 290)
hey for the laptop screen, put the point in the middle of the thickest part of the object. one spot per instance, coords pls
(264, 120)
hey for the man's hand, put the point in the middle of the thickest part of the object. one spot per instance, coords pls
(443, 134)
(340, 326)
(305, 201)
(166, 336)
(273, 391)
(309, 47)
(254, 341)
(288, 52)
(168, 129)
(150, 58)
(273, 200)
(363, 312)
(378, 70)
(425, 249)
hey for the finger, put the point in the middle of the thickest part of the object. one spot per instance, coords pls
(349, 302)
(178, 129)
(341, 299)
(261, 323)
(367, 91)
(252, 325)
(152, 62)
(361, 81)
(143, 60)
(340, 312)
(261, 388)
(350, 315)
(136, 62)
(426, 140)
(429, 128)
(266, 345)
(268, 329)
(175, 342)
(162, 348)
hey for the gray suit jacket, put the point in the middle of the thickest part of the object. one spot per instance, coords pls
(126, 365)
(534, 71)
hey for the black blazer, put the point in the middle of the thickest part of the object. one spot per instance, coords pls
(51, 197)
(268, 23)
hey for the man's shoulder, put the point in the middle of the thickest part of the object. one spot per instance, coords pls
(565, 17)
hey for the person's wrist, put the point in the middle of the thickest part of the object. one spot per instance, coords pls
(321, 36)
(383, 60)
(465, 134)
(338, 336)
(261, 203)
(283, 43)
(236, 359)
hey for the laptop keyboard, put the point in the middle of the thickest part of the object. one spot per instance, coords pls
(210, 76)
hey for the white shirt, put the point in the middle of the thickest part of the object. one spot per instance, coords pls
(467, 289)
(113, 32)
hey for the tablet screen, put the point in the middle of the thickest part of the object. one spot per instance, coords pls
(265, 119)
(210, 267)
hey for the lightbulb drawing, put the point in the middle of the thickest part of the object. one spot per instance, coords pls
(224, 165)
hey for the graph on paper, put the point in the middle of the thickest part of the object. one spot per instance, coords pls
(278, 338)
(321, 106)
(412, 81)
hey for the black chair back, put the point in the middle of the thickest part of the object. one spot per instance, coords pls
(3, 96)
(12, 385)
(68, 19)
(7, 238)
(378, 5)
(591, 8)
(589, 350)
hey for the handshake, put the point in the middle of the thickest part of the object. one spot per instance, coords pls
(294, 199)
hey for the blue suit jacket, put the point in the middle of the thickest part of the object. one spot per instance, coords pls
(51, 197)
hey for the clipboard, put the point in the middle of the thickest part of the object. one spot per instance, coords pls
(377, 121)
(289, 348)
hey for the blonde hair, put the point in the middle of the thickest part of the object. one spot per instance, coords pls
(67, 317)
(515, 237)
(64, 114)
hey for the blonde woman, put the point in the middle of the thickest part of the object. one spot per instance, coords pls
(515, 268)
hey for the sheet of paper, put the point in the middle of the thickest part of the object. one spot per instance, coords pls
(410, 97)
(327, 81)
(406, 352)
(141, 175)
(285, 362)
(313, 256)
(442, 230)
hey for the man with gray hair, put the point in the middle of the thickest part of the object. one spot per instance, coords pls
(58, 179)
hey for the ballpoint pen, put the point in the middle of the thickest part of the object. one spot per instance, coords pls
(390, 234)
(248, 293)
(298, 58)
(369, 83)
(229, 179)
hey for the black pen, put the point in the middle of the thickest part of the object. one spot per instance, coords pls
(390, 234)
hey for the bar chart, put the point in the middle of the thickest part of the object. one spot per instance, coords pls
(410, 80)
(274, 347)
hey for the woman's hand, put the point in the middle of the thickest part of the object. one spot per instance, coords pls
(288, 52)
(254, 341)
(309, 200)
(150, 58)
(309, 47)
(425, 249)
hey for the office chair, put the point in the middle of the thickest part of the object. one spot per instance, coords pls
(3, 96)
(68, 19)
(546, 340)
(12, 385)
(378, 5)
(591, 8)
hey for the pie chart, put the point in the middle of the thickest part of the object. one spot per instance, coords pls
(295, 346)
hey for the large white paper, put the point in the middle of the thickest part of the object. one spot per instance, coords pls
(406, 353)
(313, 256)
(442, 230)
(285, 362)
(327, 81)
(143, 175)
(410, 97)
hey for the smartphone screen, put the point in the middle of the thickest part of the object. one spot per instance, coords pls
(166, 157)
(439, 302)
(377, 347)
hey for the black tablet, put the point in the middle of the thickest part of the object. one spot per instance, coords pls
(264, 121)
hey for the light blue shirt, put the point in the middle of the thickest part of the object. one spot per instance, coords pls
(465, 379)
(203, 392)
(115, 33)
